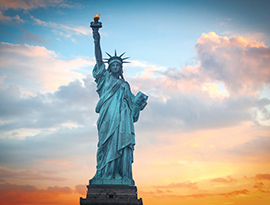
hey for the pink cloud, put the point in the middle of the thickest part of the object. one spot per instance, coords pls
(26, 194)
(242, 64)
(228, 179)
(262, 176)
(15, 4)
(36, 67)
(26, 175)
(235, 193)
(226, 66)
(261, 187)
(258, 185)
(33, 4)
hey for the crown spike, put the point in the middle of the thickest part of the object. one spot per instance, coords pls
(115, 57)
(122, 54)
(108, 54)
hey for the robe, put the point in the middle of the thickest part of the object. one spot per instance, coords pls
(116, 138)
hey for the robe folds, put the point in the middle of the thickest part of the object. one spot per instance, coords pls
(116, 138)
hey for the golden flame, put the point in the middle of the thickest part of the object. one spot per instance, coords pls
(97, 17)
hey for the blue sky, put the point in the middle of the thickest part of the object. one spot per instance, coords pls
(205, 65)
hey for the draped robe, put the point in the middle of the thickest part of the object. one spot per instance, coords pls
(115, 126)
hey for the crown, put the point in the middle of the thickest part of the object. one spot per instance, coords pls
(116, 58)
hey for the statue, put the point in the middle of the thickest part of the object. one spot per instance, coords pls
(118, 110)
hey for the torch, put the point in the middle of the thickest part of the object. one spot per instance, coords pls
(96, 24)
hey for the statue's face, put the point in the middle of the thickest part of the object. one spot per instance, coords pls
(115, 67)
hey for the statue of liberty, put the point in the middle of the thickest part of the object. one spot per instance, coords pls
(118, 110)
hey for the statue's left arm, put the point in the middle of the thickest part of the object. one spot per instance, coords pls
(139, 103)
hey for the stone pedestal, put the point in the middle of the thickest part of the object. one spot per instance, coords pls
(129, 182)
(111, 195)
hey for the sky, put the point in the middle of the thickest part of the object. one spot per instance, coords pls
(203, 138)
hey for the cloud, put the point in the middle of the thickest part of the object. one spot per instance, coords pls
(180, 110)
(261, 187)
(262, 176)
(242, 64)
(29, 5)
(6, 174)
(258, 185)
(67, 105)
(228, 179)
(60, 152)
(219, 91)
(26, 194)
(34, 68)
(61, 29)
(226, 67)
(236, 65)
(235, 193)
(15, 18)
(193, 112)
(261, 113)
(43, 127)
(33, 4)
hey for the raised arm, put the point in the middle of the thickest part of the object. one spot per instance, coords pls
(98, 53)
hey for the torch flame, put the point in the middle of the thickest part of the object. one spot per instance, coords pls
(97, 17)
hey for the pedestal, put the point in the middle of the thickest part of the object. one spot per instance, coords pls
(111, 195)
(129, 182)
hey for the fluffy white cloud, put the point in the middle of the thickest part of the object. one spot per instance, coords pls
(36, 130)
(34, 68)
(242, 64)
(70, 106)
(222, 89)
(226, 66)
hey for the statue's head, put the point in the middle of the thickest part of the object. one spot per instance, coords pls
(116, 67)
(116, 64)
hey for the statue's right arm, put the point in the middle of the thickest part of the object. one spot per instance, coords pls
(98, 53)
